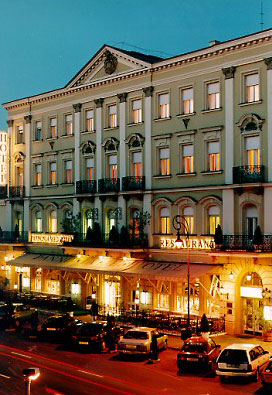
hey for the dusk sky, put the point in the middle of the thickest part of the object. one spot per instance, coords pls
(43, 43)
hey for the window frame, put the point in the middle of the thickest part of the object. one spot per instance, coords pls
(50, 135)
(66, 123)
(132, 120)
(181, 161)
(86, 128)
(167, 223)
(207, 102)
(182, 89)
(158, 106)
(244, 75)
(21, 139)
(131, 154)
(65, 174)
(36, 130)
(49, 172)
(159, 163)
(85, 158)
(37, 175)
(108, 122)
(207, 165)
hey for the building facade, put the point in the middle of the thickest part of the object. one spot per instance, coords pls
(129, 143)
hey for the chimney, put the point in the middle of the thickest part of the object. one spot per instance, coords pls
(213, 42)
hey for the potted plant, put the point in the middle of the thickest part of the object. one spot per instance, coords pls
(267, 330)
(258, 239)
(204, 327)
(218, 237)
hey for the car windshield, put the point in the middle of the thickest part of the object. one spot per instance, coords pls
(3, 309)
(194, 347)
(56, 322)
(90, 329)
(136, 335)
(233, 356)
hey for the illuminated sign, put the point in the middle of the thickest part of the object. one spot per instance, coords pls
(50, 238)
(251, 292)
(194, 243)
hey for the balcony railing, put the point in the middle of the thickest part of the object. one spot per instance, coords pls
(248, 174)
(17, 192)
(103, 240)
(108, 185)
(86, 186)
(3, 191)
(246, 243)
(133, 183)
(13, 237)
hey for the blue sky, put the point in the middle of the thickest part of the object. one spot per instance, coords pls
(43, 43)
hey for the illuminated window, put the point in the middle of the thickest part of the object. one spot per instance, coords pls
(137, 167)
(38, 221)
(188, 101)
(75, 289)
(252, 88)
(213, 219)
(188, 158)
(38, 174)
(164, 221)
(213, 156)
(213, 92)
(90, 120)
(137, 111)
(53, 127)
(68, 175)
(145, 297)
(252, 145)
(53, 226)
(68, 125)
(164, 106)
(20, 134)
(112, 166)
(90, 169)
(251, 220)
(188, 214)
(163, 301)
(164, 157)
(52, 173)
(112, 116)
(38, 131)
(89, 220)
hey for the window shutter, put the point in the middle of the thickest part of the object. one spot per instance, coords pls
(53, 122)
(213, 147)
(188, 94)
(214, 210)
(188, 150)
(252, 79)
(38, 168)
(68, 118)
(164, 99)
(252, 143)
(213, 88)
(90, 114)
(90, 163)
(188, 211)
(137, 104)
(137, 157)
(68, 165)
(164, 153)
(251, 212)
(113, 159)
(53, 166)
(39, 125)
(165, 212)
(112, 110)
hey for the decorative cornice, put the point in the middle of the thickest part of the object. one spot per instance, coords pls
(77, 107)
(186, 121)
(148, 91)
(229, 72)
(28, 118)
(268, 62)
(122, 97)
(99, 102)
(10, 123)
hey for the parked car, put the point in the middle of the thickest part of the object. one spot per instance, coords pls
(138, 341)
(241, 360)
(198, 352)
(60, 327)
(266, 376)
(14, 314)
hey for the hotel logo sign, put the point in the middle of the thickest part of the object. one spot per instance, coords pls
(194, 243)
(46, 238)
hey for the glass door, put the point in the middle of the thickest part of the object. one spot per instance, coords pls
(253, 313)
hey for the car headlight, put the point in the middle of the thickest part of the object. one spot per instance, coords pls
(142, 348)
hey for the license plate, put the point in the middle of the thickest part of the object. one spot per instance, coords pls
(51, 329)
(83, 343)
(192, 359)
(129, 347)
(232, 366)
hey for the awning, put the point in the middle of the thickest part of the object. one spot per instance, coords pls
(134, 268)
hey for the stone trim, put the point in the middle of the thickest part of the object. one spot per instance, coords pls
(148, 91)
(122, 97)
(10, 123)
(99, 102)
(229, 72)
(28, 118)
(77, 107)
(268, 62)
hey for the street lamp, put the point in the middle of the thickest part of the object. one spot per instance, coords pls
(180, 221)
(30, 374)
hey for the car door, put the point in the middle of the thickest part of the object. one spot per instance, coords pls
(212, 350)
(264, 356)
(159, 338)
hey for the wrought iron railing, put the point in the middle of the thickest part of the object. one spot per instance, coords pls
(3, 191)
(86, 186)
(246, 243)
(104, 240)
(17, 192)
(248, 174)
(13, 237)
(133, 183)
(108, 185)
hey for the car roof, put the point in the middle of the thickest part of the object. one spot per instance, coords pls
(242, 346)
(142, 328)
(196, 339)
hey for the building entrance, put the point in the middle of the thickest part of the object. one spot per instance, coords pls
(253, 314)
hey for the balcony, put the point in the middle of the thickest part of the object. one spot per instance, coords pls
(16, 192)
(102, 240)
(243, 242)
(108, 185)
(85, 186)
(248, 174)
(133, 183)
(3, 191)
(13, 237)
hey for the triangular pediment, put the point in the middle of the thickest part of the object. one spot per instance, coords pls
(108, 62)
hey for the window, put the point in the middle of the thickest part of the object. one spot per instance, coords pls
(137, 168)
(252, 88)
(19, 176)
(53, 226)
(20, 134)
(213, 156)
(164, 106)
(213, 219)
(68, 125)
(188, 158)
(165, 221)
(38, 221)
(53, 127)
(38, 131)
(188, 214)
(251, 220)
(137, 111)
(164, 161)
(112, 166)
(163, 301)
(112, 116)
(188, 101)
(252, 158)
(90, 169)
(38, 174)
(213, 91)
(52, 173)
(68, 175)
(90, 121)
(89, 220)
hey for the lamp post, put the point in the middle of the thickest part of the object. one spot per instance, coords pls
(179, 221)
(30, 374)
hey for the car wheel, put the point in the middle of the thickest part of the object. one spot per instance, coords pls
(257, 375)
(222, 379)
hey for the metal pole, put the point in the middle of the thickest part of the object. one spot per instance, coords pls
(188, 280)
(27, 386)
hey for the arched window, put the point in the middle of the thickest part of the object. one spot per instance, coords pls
(252, 152)
(164, 221)
(38, 222)
(213, 219)
(53, 226)
(251, 220)
(89, 220)
(188, 214)
(134, 223)
(19, 221)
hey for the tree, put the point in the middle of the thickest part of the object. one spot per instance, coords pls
(16, 231)
(89, 234)
(204, 324)
(97, 237)
(218, 236)
(114, 236)
(258, 236)
(124, 237)
(1, 233)
(71, 225)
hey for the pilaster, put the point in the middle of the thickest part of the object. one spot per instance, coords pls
(9, 159)
(267, 211)
(228, 212)
(77, 109)
(122, 150)
(26, 216)
(99, 108)
(147, 207)
(27, 175)
(98, 204)
(268, 63)
(148, 125)
(123, 205)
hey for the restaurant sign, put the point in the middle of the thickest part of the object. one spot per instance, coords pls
(194, 243)
(46, 238)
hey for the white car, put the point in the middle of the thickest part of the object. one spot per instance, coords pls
(241, 360)
(138, 341)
